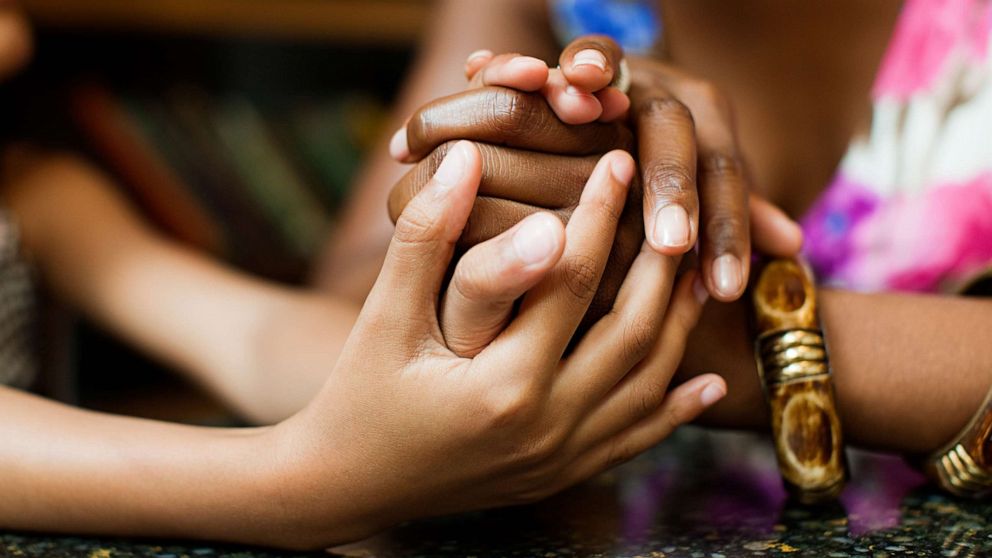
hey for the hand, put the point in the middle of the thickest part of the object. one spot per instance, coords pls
(404, 428)
(691, 119)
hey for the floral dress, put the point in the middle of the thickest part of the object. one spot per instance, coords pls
(910, 207)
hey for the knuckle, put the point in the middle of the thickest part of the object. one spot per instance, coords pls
(639, 334)
(472, 283)
(416, 226)
(722, 164)
(510, 407)
(514, 113)
(619, 454)
(664, 108)
(646, 399)
(725, 229)
(580, 275)
(669, 179)
(421, 127)
(612, 207)
(539, 449)
(707, 92)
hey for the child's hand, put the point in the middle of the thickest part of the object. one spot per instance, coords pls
(404, 428)
(579, 91)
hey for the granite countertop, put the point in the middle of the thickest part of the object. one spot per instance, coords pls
(699, 495)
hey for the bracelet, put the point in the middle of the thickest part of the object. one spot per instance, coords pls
(963, 467)
(791, 355)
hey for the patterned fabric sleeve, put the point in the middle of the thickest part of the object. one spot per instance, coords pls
(910, 208)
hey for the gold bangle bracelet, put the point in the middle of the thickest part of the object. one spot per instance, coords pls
(791, 355)
(963, 467)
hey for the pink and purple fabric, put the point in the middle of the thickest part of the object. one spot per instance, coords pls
(910, 208)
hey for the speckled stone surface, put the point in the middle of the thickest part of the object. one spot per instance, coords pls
(699, 495)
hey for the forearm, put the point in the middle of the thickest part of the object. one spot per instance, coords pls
(354, 255)
(239, 336)
(909, 370)
(69, 470)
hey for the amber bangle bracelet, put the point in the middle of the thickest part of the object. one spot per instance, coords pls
(964, 466)
(791, 355)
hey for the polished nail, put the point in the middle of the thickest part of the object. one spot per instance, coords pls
(452, 168)
(535, 241)
(727, 275)
(398, 148)
(671, 227)
(589, 57)
(712, 393)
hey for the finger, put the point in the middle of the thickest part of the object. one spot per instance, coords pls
(529, 177)
(571, 104)
(667, 152)
(425, 235)
(399, 150)
(615, 104)
(622, 338)
(590, 62)
(726, 247)
(491, 276)
(772, 231)
(502, 116)
(511, 70)
(476, 61)
(725, 243)
(643, 390)
(551, 312)
(680, 406)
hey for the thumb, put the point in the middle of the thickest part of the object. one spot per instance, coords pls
(425, 236)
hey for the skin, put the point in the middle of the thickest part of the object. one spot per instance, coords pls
(913, 410)
(519, 422)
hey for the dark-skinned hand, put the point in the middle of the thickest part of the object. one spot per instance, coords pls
(680, 128)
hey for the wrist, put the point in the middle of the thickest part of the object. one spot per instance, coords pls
(312, 489)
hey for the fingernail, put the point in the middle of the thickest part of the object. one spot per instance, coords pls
(452, 168)
(589, 57)
(671, 227)
(524, 62)
(478, 54)
(712, 393)
(699, 290)
(575, 91)
(727, 275)
(622, 169)
(535, 241)
(398, 148)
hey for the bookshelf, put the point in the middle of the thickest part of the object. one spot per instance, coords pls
(228, 124)
(356, 22)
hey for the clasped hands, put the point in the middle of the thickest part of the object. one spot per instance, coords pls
(540, 133)
(547, 356)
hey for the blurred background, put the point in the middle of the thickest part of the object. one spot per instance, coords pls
(234, 125)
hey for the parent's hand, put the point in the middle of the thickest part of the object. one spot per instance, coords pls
(531, 162)
(405, 428)
(690, 161)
